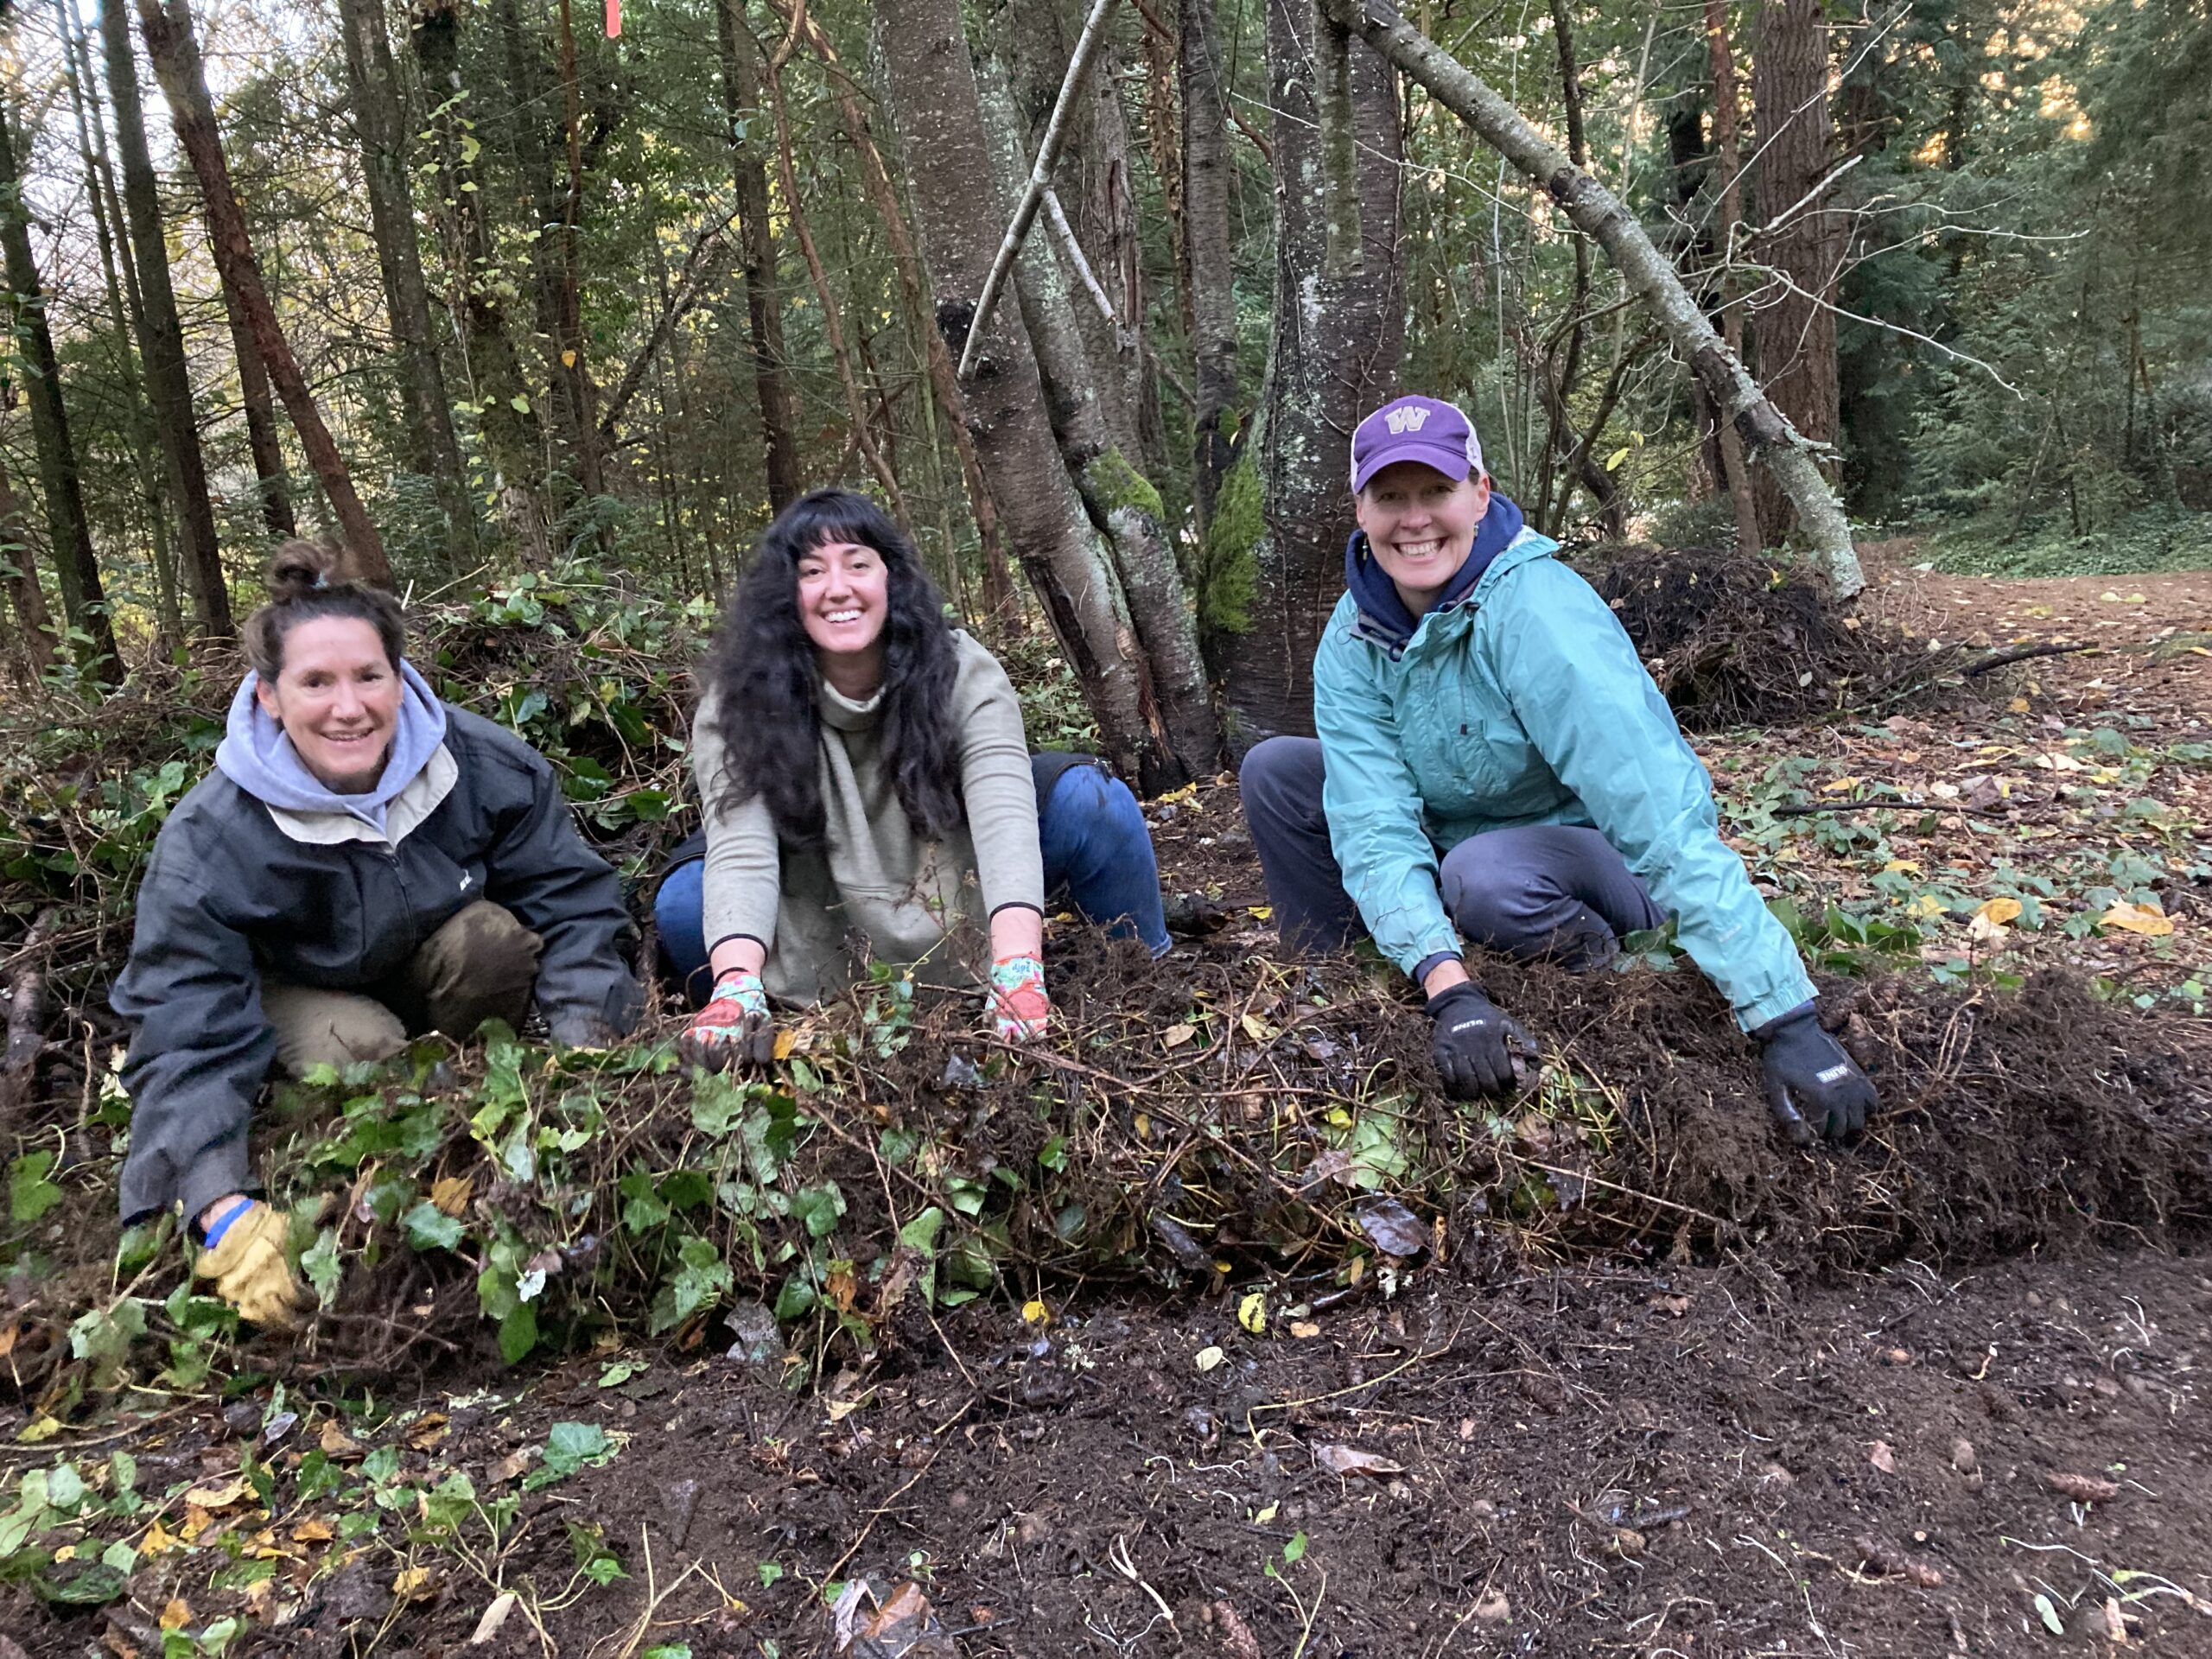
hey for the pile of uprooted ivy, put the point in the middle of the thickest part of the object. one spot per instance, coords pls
(1220, 1122)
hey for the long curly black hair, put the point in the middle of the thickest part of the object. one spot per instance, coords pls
(767, 685)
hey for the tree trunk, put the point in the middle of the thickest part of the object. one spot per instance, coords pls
(433, 450)
(930, 87)
(772, 377)
(1210, 253)
(1333, 357)
(1803, 239)
(70, 532)
(1742, 494)
(1120, 500)
(29, 598)
(175, 54)
(272, 480)
(139, 420)
(506, 418)
(1597, 211)
(553, 255)
(998, 591)
(161, 334)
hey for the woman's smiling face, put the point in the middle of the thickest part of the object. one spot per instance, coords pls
(337, 697)
(1421, 526)
(844, 596)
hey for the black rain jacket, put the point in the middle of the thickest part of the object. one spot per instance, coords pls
(229, 896)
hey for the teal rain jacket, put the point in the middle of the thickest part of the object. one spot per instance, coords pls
(1521, 702)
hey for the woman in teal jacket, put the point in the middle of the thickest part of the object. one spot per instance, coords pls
(1495, 762)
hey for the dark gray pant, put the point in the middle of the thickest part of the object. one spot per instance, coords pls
(1539, 890)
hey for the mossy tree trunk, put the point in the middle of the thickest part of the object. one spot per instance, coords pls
(928, 84)
(1339, 325)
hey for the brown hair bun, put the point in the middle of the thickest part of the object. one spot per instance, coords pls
(308, 580)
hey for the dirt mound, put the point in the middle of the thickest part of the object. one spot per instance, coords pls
(1218, 1114)
(1734, 640)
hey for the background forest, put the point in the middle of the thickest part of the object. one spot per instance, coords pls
(489, 291)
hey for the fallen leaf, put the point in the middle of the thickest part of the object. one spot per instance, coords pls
(2048, 1615)
(337, 1443)
(413, 1584)
(1882, 1458)
(1395, 1230)
(2115, 1623)
(1999, 912)
(1035, 1313)
(1350, 1461)
(1673, 1306)
(906, 1627)
(1209, 1357)
(176, 1615)
(7, 1338)
(509, 1467)
(1493, 1609)
(494, 1617)
(2083, 1489)
(313, 1530)
(786, 1044)
(1257, 1029)
(1252, 1313)
(2144, 919)
(159, 1540)
(429, 1431)
(450, 1194)
(1178, 1034)
(1304, 1328)
(219, 1494)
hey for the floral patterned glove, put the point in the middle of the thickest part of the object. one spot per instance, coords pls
(1020, 1009)
(734, 1027)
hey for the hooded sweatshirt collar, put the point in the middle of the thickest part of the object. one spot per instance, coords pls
(256, 756)
(1376, 595)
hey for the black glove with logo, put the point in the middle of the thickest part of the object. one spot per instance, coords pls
(1474, 1043)
(1812, 1088)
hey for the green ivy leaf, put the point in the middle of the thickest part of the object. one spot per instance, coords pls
(429, 1228)
(30, 1195)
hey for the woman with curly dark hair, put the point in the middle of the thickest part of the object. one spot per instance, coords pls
(869, 796)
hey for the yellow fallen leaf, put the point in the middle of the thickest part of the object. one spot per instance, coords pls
(1904, 866)
(1261, 912)
(44, 1429)
(787, 1043)
(313, 1530)
(176, 1615)
(2139, 918)
(412, 1584)
(429, 1431)
(450, 1194)
(841, 1410)
(1035, 1313)
(1839, 785)
(1257, 1029)
(567, 359)
(2018, 705)
(219, 1494)
(1144, 1126)
(1252, 1313)
(337, 1443)
(1998, 912)
(196, 1521)
(158, 1541)
(66, 1552)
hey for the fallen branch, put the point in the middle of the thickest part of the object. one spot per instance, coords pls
(26, 1015)
(2019, 654)
(1040, 179)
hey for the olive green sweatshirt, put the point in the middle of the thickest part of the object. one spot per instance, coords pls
(875, 891)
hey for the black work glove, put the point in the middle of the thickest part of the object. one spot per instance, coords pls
(1474, 1043)
(1812, 1088)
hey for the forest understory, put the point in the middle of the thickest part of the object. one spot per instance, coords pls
(1214, 1329)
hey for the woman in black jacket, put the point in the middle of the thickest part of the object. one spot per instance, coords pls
(365, 864)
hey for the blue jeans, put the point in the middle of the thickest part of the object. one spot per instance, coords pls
(1097, 856)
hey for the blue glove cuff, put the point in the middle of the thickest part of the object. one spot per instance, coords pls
(214, 1235)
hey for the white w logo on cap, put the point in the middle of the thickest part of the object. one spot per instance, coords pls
(1405, 420)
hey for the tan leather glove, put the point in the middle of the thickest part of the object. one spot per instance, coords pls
(250, 1270)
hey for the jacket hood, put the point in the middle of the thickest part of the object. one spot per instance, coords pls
(256, 756)
(1376, 595)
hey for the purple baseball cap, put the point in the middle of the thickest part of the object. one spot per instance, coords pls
(1414, 428)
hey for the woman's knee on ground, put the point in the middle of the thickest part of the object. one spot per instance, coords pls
(482, 963)
(1110, 833)
(1281, 777)
(320, 1027)
(1506, 905)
